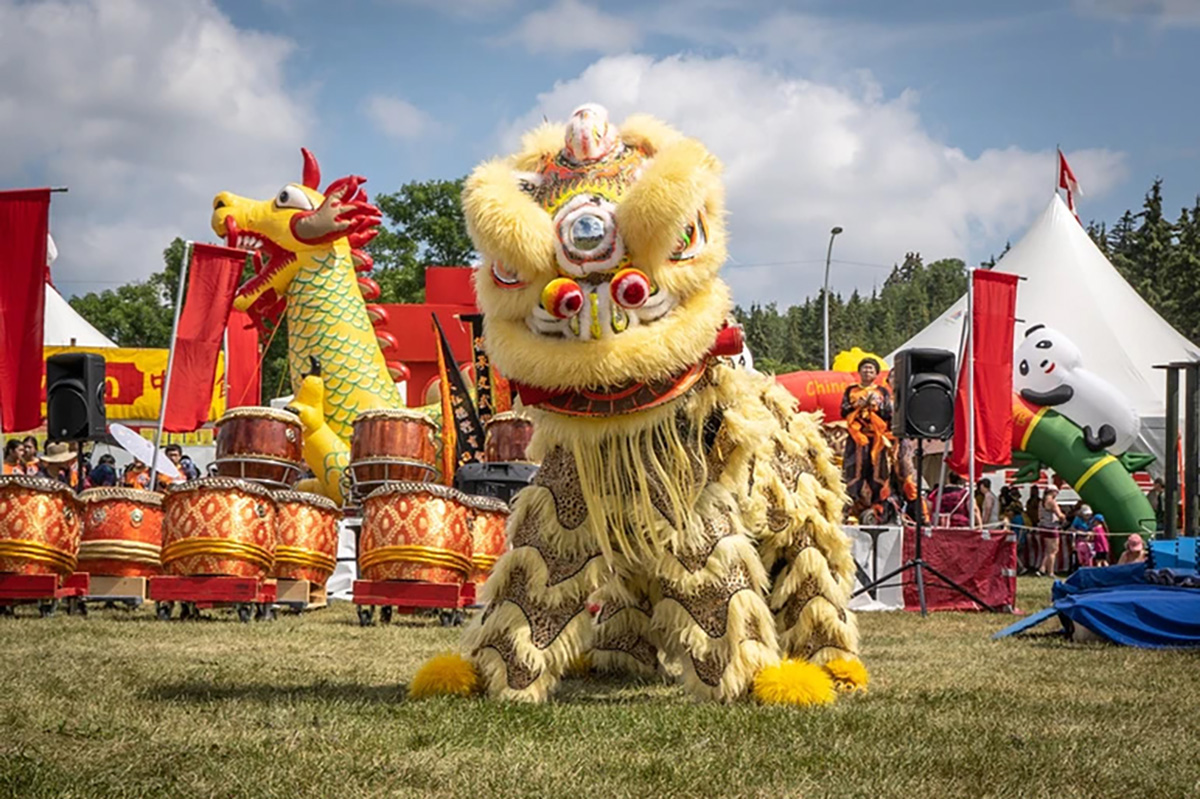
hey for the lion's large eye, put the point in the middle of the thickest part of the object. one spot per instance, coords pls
(292, 197)
(505, 279)
(692, 239)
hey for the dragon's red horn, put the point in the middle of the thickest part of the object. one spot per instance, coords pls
(312, 170)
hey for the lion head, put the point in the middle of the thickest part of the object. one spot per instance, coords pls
(600, 249)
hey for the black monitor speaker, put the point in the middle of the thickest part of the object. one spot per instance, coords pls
(924, 402)
(75, 397)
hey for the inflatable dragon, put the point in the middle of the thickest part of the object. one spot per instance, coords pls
(681, 495)
(309, 246)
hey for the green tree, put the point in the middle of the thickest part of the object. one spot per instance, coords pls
(425, 226)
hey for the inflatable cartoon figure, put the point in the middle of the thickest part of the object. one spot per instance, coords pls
(309, 245)
(681, 494)
(1050, 373)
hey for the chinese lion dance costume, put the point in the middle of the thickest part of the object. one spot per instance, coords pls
(684, 497)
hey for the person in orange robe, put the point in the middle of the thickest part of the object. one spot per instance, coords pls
(867, 409)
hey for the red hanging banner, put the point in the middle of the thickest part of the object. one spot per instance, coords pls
(213, 278)
(24, 226)
(243, 362)
(993, 320)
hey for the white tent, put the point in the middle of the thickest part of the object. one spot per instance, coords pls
(1071, 286)
(64, 327)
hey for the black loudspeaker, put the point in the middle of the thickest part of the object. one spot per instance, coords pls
(924, 402)
(75, 397)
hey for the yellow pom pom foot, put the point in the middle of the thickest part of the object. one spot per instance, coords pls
(794, 682)
(445, 675)
(848, 675)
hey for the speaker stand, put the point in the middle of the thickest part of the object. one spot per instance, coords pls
(918, 565)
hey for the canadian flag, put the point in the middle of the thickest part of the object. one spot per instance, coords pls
(1066, 180)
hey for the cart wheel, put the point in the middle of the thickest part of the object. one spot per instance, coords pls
(185, 611)
(366, 615)
(244, 613)
(163, 610)
(7, 610)
(81, 607)
(385, 614)
(47, 608)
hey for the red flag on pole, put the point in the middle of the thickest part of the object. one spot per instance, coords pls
(243, 361)
(213, 277)
(24, 227)
(992, 323)
(1066, 180)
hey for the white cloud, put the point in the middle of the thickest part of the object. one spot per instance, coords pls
(398, 118)
(146, 109)
(802, 156)
(574, 26)
(1167, 13)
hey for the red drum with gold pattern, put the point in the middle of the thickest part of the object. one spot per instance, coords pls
(39, 526)
(262, 445)
(391, 445)
(219, 526)
(507, 438)
(306, 536)
(415, 531)
(122, 532)
(488, 519)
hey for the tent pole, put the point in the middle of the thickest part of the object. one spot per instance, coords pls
(971, 394)
(166, 390)
(948, 444)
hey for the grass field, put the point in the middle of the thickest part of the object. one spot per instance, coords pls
(121, 705)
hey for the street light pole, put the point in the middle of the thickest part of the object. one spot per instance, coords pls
(828, 255)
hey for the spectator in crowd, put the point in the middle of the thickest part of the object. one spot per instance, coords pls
(1135, 550)
(1033, 506)
(104, 473)
(1103, 551)
(1156, 498)
(182, 462)
(989, 507)
(31, 455)
(1050, 522)
(13, 463)
(1081, 532)
(137, 475)
(56, 463)
(955, 502)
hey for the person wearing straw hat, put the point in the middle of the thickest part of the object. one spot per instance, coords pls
(56, 462)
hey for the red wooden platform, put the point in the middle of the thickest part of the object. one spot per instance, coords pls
(205, 592)
(16, 588)
(405, 595)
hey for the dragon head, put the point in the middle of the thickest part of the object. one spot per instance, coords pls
(299, 220)
(600, 249)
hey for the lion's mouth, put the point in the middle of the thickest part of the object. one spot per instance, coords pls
(269, 259)
(600, 316)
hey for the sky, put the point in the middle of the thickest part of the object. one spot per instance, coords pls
(925, 126)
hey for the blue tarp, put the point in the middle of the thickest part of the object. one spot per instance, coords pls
(1119, 603)
(1149, 616)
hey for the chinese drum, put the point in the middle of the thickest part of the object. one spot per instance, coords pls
(391, 445)
(122, 532)
(415, 531)
(39, 526)
(488, 520)
(260, 444)
(507, 438)
(219, 526)
(306, 536)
